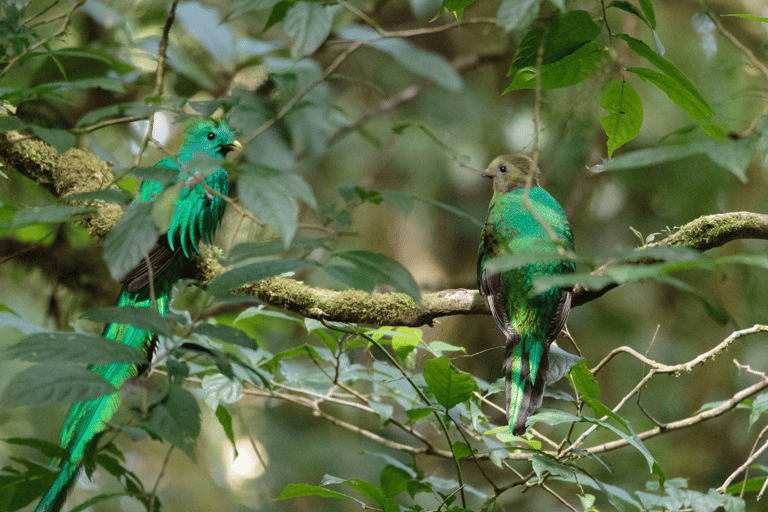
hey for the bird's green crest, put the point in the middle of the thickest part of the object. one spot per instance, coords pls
(213, 137)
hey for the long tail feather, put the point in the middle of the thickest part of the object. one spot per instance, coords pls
(525, 366)
(88, 418)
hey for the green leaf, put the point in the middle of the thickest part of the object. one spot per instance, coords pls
(298, 490)
(48, 449)
(418, 413)
(72, 348)
(48, 384)
(625, 114)
(225, 283)
(570, 70)
(218, 388)
(227, 334)
(62, 141)
(277, 14)
(130, 239)
(269, 194)
(733, 155)
(461, 450)
(630, 8)
(449, 385)
(746, 16)
(405, 341)
(40, 214)
(308, 24)
(675, 85)
(584, 381)
(394, 480)
(567, 33)
(371, 268)
(517, 14)
(650, 16)
(455, 6)
(177, 420)
(421, 62)
(374, 493)
(148, 319)
(204, 23)
(225, 420)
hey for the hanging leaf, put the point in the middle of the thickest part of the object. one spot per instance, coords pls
(625, 114)
(308, 24)
(450, 386)
(177, 420)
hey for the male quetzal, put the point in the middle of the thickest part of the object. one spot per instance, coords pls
(529, 321)
(197, 214)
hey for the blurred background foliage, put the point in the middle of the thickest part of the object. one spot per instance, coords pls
(422, 120)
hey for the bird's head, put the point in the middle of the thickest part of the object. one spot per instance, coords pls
(510, 172)
(212, 137)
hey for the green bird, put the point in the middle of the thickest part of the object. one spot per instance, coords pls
(530, 321)
(197, 213)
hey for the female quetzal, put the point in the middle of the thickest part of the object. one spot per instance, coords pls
(197, 214)
(529, 321)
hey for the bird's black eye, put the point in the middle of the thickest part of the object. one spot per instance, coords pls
(211, 135)
(502, 168)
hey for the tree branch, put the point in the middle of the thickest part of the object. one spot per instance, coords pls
(77, 171)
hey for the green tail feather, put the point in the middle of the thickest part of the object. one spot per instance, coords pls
(88, 418)
(523, 361)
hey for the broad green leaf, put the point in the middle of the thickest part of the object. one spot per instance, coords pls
(449, 385)
(204, 23)
(225, 420)
(371, 268)
(226, 283)
(568, 32)
(550, 417)
(227, 334)
(298, 490)
(374, 493)
(59, 139)
(148, 319)
(164, 175)
(584, 381)
(421, 62)
(40, 214)
(108, 195)
(517, 14)
(632, 9)
(69, 347)
(405, 341)
(130, 239)
(394, 480)
(418, 413)
(52, 384)
(48, 449)
(570, 70)
(400, 200)
(461, 450)
(733, 155)
(269, 194)
(177, 420)
(308, 24)
(560, 363)
(675, 85)
(625, 114)
(455, 6)
(218, 389)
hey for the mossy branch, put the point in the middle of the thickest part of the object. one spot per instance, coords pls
(77, 171)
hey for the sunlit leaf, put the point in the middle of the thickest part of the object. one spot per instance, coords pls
(625, 114)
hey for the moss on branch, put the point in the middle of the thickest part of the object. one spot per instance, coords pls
(77, 171)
